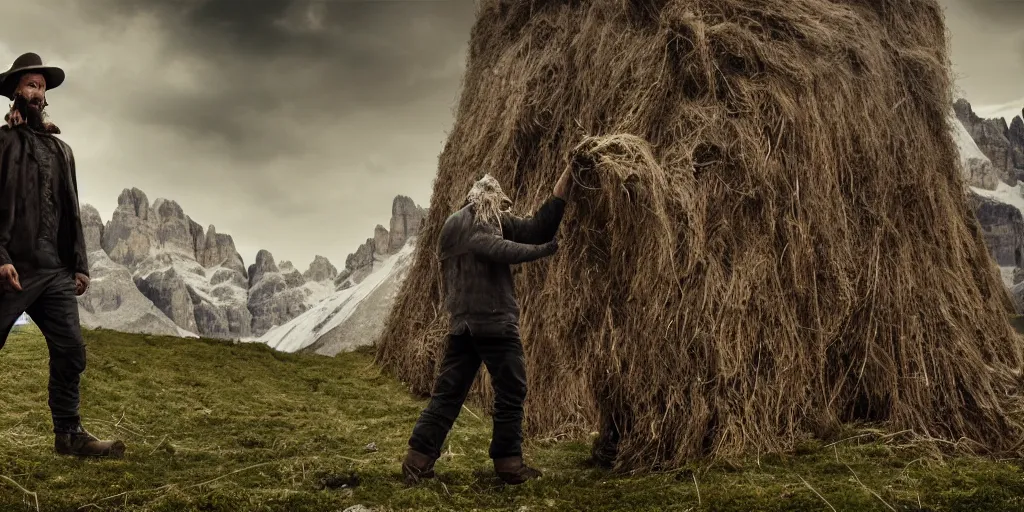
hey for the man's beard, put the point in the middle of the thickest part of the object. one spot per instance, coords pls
(31, 111)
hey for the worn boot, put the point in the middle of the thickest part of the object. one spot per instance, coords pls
(605, 448)
(512, 471)
(417, 466)
(76, 441)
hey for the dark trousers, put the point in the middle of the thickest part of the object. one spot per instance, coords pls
(506, 365)
(48, 296)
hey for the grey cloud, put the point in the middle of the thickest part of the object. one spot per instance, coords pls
(307, 62)
(288, 124)
(292, 124)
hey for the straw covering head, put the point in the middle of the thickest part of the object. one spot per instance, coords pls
(488, 200)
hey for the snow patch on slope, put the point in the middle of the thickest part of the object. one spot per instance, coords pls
(318, 291)
(114, 302)
(305, 329)
(975, 168)
(969, 151)
(1004, 193)
(968, 148)
(1007, 274)
(216, 289)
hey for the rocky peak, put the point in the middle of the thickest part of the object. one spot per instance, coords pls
(264, 264)
(1015, 134)
(175, 230)
(1003, 229)
(92, 227)
(265, 261)
(277, 293)
(977, 168)
(991, 136)
(964, 111)
(320, 269)
(168, 291)
(128, 235)
(134, 201)
(406, 219)
(219, 249)
(168, 209)
(1016, 128)
(363, 257)
(197, 237)
(381, 240)
(291, 274)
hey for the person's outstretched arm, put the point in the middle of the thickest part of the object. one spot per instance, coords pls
(498, 249)
(542, 226)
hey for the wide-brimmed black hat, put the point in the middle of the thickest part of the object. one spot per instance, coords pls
(29, 63)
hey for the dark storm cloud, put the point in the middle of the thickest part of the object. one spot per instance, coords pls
(309, 62)
(290, 125)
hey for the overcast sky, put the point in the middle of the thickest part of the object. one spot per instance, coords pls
(292, 124)
(988, 54)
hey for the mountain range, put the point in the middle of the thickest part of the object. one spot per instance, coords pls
(155, 270)
(992, 153)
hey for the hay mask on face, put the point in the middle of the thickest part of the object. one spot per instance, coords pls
(488, 200)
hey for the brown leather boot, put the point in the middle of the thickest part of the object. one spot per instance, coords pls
(605, 448)
(83, 444)
(512, 471)
(417, 466)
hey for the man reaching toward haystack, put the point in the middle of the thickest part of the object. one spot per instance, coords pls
(43, 263)
(477, 245)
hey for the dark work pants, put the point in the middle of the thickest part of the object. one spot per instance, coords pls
(48, 296)
(506, 365)
(611, 424)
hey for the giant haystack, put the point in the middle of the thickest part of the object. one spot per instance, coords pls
(769, 237)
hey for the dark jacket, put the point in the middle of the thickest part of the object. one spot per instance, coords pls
(475, 262)
(20, 204)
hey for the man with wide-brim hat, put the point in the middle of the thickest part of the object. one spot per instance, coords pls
(29, 63)
(43, 264)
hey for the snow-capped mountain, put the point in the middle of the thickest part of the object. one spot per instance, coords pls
(348, 318)
(1001, 143)
(114, 302)
(279, 293)
(992, 154)
(155, 270)
(353, 315)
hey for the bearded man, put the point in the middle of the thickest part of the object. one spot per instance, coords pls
(477, 245)
(43, 263)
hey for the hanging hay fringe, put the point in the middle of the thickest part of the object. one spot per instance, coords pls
(768, 236)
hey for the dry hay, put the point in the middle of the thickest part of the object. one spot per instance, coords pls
(768, 237)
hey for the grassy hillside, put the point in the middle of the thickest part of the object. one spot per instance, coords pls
(218, 427)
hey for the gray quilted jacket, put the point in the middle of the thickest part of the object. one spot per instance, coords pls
(476, 265)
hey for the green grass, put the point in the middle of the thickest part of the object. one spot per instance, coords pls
(213, 426)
